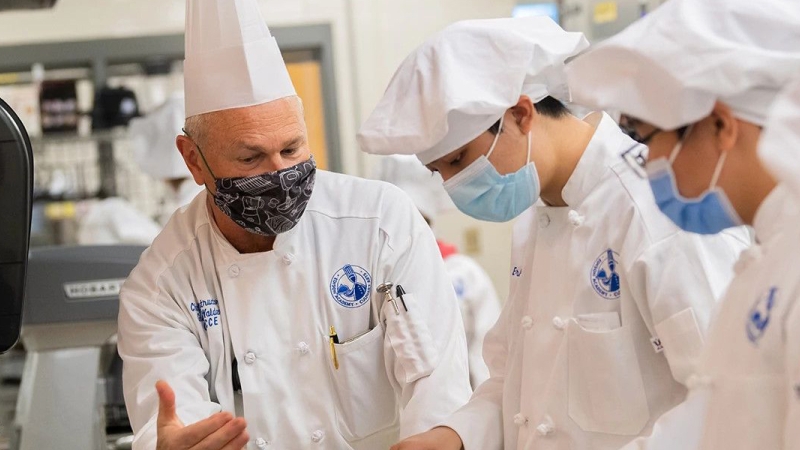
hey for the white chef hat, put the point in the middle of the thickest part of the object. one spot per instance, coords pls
(462, 80)
(779, 147)
(424, 187)
(232, 60)
(672, 66)
(153, 138)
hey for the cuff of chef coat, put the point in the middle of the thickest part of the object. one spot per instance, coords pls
(479, 424)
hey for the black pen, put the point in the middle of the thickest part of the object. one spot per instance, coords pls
(400, 293)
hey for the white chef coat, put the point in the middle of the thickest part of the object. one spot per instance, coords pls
(480, 309)
(586, 355)
(194, 303)
(745, 394)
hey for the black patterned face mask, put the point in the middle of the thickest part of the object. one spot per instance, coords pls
(268, 204)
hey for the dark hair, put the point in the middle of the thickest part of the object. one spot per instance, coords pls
(548, 107)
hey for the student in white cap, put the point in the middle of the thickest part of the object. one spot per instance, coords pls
(696, 81)
(263, 306)
(476, 294)
(154, 150)
(609, 300)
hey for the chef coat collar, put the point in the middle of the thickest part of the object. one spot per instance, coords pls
(774, 213)
(230, 253)
(602, 152)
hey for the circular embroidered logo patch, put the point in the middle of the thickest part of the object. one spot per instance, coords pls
(759, 315)
(604, 276)
(351, 286)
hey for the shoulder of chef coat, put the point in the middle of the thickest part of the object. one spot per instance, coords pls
(179, 235)
(348, 198)
(636, 209)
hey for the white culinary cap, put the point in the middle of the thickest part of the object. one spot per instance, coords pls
(672, 66)
(232, 60)
(153, 138)
(463, 79)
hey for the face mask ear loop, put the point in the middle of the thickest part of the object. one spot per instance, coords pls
(496, 138)
(202, 156)
(679, 146)
(530, 133)
(718, 170)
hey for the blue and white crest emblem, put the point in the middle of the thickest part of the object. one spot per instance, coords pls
(759, 315)
(604, 276)
(351, 286)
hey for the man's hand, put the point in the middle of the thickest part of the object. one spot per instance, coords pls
(218, 432)
(440, 438)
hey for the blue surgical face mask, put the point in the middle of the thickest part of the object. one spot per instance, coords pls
(709, 213)
(481, 192)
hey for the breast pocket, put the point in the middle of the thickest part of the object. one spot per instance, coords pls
(606, 391)
(367, 401)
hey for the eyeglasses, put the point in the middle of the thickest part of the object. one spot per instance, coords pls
(628, 126)
(636, 156)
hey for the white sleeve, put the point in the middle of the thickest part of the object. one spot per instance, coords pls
(479, 423)
(436, 382)
(155, 342)
(481, 302)
(676, 284)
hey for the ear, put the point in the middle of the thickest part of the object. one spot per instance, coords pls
(726, 127)
(523, 113)
(188, 150)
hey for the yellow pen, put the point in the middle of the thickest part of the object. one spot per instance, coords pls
(334, 339)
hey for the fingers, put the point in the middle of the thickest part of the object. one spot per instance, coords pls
(166, 404)
(238, 442)
(196, 432)
(223, 437)
(405, 445)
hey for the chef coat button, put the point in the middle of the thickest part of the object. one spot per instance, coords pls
(520, 420)
(527, 322)
(303, 348)
(559, 323)
(261, 443)
(317, 436)
(546, 427)
(544, 220)
(233, 271)
(575, 218)
(250, 357)
(288, 258)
